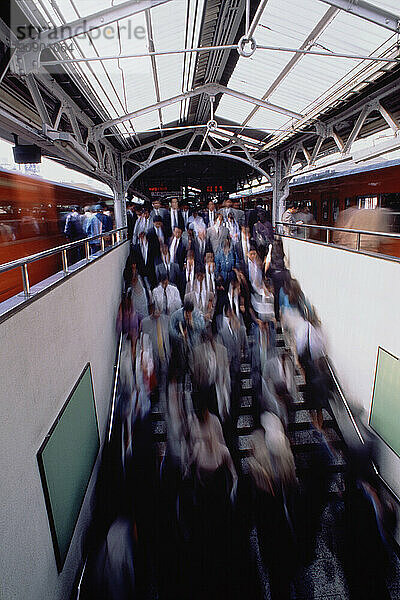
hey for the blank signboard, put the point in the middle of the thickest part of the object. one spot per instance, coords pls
(66, 459)
(385, 410)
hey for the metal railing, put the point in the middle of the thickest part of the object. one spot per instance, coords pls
(116, 236)
(357, 429)
(287, 230)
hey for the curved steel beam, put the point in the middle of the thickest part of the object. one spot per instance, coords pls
(252, 164)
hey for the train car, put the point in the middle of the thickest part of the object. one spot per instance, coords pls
(32, 216)
(331, 193)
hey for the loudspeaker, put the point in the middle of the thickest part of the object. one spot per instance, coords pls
(27, 154)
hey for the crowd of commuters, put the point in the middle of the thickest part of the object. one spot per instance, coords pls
(203, 294)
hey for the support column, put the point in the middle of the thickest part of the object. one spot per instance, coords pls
(119, 195)
(279, 192)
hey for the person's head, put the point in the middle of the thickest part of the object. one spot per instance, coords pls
(253, 255)
(97, 208)
(75, 209)
(211, 206)
(177, 232)
(236, 204)
(134, 272)
(164, 250)
(293, 290)
(228, 203)
(185, 206)
(156, 204)
(219, 219)
(157, 222)
(174, 203)
(226, 244)
(220, 284)
(234, 280)
(87, 209)
(261, 215)
(188, 309)
(200, 273)
(291, 207)
(190, 256)
(146, 211)
(164, 280)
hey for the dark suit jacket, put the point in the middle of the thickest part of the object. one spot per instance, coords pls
(180, 253)
(146, 269)
(198, 255)
(174, 272)
(153, 239)
(206, 217)
(168, 225)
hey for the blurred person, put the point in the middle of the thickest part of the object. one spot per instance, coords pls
(142, 224)
(210, 272)
(108, 214)
(96, 226)
(365, 219)
(263, 232)
(157, 210)
(225, 259)
(156, 327)
(166, 296)
(139, 290)
(156, 238)
(202, 299)
(73, 231)
(233, 228)
(274, 267)
(177, 249)
(243, 249)
(188, 275)
(186, 213)
(239, 213)
(217, 233)
(196, 222)
(186, 325)
(164, 262)
(254, 270)
(289, 217)
(200, 246)
(174, 217)
(272, 473)
(304, 216)
(209, 216)
(145, 253)
(221, 299)
(209, 367)
(252, 218)
(131, 218)
(6, 232)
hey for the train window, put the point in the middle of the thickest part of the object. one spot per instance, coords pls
(335, 209)
(368, 202)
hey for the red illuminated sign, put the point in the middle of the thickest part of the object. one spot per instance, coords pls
(215, 188)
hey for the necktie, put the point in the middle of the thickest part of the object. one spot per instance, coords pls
(165, 302)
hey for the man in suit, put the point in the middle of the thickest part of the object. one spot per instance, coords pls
(177, 249)
(166, 296)
(189, 273)
(172, 269)
(142, 224)
(239, 213)
(174, 217)
(186, 213)
(156, 327)
(202, 299)
(210, 214)
(217, 233)
(200, 246)
(144, 252)
(157, 210)
(233, 336)
(156, 235)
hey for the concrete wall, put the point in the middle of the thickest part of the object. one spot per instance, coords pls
(43, 350)
(357, 300)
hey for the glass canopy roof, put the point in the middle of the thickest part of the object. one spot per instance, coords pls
(304, 83)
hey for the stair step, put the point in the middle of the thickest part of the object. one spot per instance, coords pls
(307, 425)
(303, 448)
(246, 384)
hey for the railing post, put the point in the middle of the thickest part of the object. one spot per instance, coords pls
(87, 250)
(64, 262)
(358, 241)
(327, 236)
(113, 239)
(102, 244)
(25, 280)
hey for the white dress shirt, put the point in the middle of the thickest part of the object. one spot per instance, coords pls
(211, 217)
(210, 279)
(172, 248)
(144, 246)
